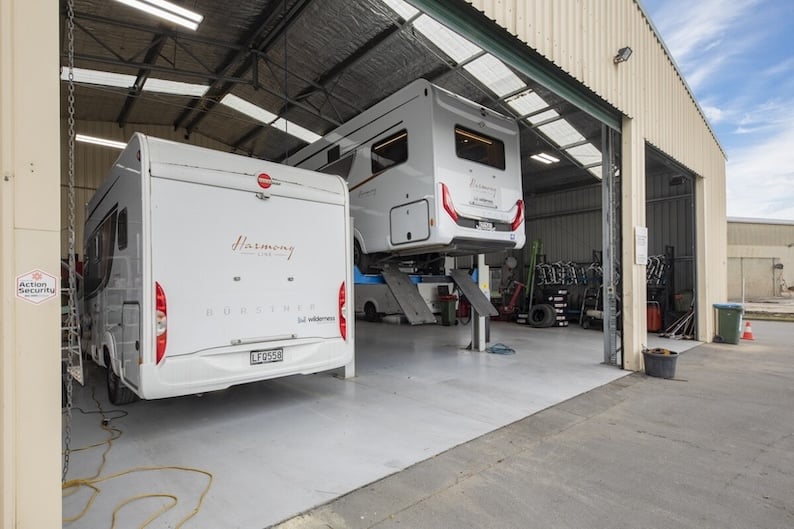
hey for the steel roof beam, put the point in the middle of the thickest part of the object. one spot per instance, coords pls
(156, 46)
(258, 41)
(319, 84)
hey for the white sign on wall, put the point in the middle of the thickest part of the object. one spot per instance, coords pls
(641, 245)
(36, 286)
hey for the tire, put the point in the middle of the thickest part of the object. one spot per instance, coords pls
(370, 312)
(360, 259)
(542, 316)
(118, 393)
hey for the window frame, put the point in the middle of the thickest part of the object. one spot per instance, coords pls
(483, 139)
(401, 134)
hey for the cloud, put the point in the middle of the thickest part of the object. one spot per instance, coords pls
(689, 27)
(713, 114)
(780, 68)
(760, 177)
(733, 56)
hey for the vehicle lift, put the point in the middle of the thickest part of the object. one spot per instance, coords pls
(405, 290)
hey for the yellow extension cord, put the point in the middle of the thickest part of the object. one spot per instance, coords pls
(72, 486)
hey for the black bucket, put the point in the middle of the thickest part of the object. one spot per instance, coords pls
(660, 363)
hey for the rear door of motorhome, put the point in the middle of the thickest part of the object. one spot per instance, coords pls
(252, 275)
(478, 173)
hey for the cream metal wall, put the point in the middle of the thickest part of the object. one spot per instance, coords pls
(30, 383)
(92, 163)
(760, 259)
(582, 37)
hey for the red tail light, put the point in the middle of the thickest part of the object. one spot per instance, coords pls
(519, 216)
(446, 199)
(160, 321)
(342, 311)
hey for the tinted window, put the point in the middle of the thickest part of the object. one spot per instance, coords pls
(122, 229)
(479, 148)
(389, 151)
(99, 254)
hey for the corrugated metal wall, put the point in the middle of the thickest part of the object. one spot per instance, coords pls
(760, 260)
(92, 163)
(582, 37)
(760, 234)
(568, 224)
(670, 219)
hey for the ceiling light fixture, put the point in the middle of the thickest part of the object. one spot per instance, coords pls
(268, 118)
(167, 11)
(81, 75)
(623, 55)
(295, 130)
(249, 109)
(178, 88)
(100, 141)
(545, 158)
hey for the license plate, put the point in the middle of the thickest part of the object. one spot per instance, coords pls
(267, 356)
(485, 225)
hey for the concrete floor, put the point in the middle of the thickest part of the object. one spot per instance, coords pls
(281, 447)
(711, 448)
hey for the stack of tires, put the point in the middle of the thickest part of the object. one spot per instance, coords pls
(552, 313)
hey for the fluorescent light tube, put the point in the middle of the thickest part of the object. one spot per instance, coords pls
(249, 109)
(81, 75)
(295, 130)
(164, 86)
(545, 158)
(167, 11)
(100, 141)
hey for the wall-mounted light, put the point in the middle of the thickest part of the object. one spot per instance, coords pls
(167, 11)
(623, 55)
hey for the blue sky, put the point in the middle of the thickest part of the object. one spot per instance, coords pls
(738, 58)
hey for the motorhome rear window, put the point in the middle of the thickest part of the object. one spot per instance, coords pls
(479, 148)
(390, 151)
(122, 229)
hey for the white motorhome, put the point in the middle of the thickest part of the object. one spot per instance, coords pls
(428, 172)
(205, 269)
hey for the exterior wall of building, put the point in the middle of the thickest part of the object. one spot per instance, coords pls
(760, 259)
(582, 38)
(30, 377)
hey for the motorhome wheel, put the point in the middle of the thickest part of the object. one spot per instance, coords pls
(118, 393)
(361, 260)
(370, 312)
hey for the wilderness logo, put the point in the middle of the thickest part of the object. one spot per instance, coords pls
(482, 195)
(244, 246)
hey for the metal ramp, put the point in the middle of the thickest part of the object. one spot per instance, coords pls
(480, 303)
(408, 297)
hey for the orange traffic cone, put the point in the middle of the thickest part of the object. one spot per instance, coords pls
(748, 332)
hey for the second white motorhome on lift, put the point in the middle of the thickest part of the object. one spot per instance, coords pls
(428, 172)
(205, 269)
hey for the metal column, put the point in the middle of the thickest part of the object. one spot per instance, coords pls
(610, 229)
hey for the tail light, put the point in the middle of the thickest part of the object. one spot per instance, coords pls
(519, 215)
(160, 321)
(342, 311)
(446, 199)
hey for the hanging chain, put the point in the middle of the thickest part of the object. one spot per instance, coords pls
(73, 324)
